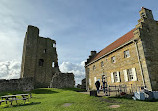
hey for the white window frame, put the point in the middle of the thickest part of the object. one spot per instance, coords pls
(115, 77)
(89, 81)
(130, 74)
(113, 59)
(95, 79)
(126, 54)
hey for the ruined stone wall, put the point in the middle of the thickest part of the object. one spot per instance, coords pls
(39, 58)
(62, 80)
(22, 84)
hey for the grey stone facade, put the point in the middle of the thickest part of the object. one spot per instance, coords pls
(39, 58)
(22, 84)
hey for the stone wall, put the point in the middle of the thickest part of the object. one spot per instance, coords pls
(22, 84)
(62, 80)
(143, 50)
(149, 36)
(39, 58)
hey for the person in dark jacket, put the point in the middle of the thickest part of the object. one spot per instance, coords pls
(97, 84)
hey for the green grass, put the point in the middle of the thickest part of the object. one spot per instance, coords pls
(53, 99)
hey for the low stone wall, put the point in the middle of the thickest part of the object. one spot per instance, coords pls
(62, 80)
(22, 84)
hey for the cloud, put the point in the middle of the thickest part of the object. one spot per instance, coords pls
(10, 69)
(77, 69)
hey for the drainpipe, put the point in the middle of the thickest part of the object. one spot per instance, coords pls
(141, 69)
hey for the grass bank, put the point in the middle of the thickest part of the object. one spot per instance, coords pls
(54, 99)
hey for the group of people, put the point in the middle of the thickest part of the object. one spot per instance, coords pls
(104, 87)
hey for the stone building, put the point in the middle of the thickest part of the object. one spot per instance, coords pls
(130, 60)
(39, 59)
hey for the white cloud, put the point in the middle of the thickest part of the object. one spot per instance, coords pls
(77, 69)
(10, 69)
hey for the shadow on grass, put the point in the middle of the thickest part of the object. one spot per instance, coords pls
(17, 105)
(43, 91)
(129, 97)
(75, 89)
(11, 93)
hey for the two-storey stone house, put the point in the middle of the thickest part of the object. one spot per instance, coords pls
(130, 60)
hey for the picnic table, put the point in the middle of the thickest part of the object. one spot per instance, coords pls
(16, 97)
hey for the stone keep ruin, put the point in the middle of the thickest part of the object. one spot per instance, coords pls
(39, 67)
(40, 62)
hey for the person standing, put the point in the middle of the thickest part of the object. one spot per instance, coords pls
(104, 87)
(97, 84)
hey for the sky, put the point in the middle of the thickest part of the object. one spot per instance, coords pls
(78, 26)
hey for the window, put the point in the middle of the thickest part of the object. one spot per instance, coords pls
(126, 54)
(94, 67)
(102, 64)
(52, 64)
(54, 45)
(89, 81)
(115, 76)
(44, 51)
(41, 62)
(113, 59)
(142, 14)
(130, 74)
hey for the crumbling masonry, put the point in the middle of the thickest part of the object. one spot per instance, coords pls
(40, 60)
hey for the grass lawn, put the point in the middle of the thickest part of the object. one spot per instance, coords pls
(53, 99)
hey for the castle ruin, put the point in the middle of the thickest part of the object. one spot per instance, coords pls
(40, 60)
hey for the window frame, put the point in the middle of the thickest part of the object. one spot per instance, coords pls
(113, 59)
(126, 55)
(130, 74)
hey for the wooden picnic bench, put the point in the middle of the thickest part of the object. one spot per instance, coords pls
(11, 98)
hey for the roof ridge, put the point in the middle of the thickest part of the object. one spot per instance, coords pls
(118, 42)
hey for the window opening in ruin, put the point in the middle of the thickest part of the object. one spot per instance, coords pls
(130, 74)
(54, 45)
(142, 14)
(94, 67)
(41, 62)
(102, 64)
(45, 50)
(52, 64)
(113, 59)
(126, 54)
